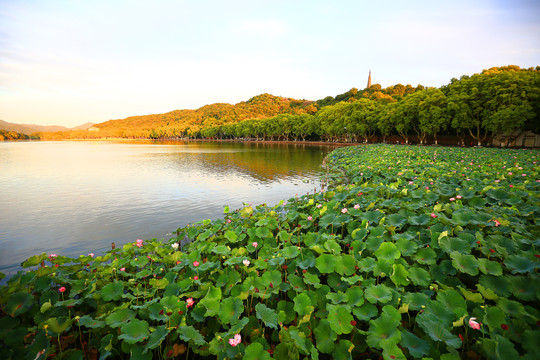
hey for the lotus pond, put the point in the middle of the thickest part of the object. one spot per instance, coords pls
(409, 253)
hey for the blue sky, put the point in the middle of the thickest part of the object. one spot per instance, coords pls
(70, 62)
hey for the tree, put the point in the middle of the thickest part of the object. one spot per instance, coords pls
(433, 113)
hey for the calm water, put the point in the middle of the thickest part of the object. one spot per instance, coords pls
(73, 198)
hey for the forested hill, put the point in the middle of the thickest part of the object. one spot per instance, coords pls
(181, 123)
(500, 103)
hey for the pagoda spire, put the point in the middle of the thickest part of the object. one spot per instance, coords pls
(369, 80)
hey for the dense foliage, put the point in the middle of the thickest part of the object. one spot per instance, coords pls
(12, 135)
(410, 252)
(499, 103)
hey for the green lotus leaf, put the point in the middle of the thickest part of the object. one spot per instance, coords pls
(267, 315)
(452, 300)
(399, 275)
(286, 313)
(372, 217)
(450, 244)
(415, 300)
(477, 203)
(271, 277)
(505, 348)
(88, 322)
(139, 262)
(498, 194)
(325, 337)
(365, 312)
(520, 264)
(255, 351)
(19, 303)
(501, 285)
(312, 279)
(526, 288)
(472, 296)
(530, 341)
(396, 220)
(211, 301)
(421, 219)
(417, 347)
(332, 246)
(419, 276)
(112, 291)
(490, 267)
(465, 263)
(156, 338)
(189, 333)
(383, 331)
(231, 236)
(343, 349)
(230, 310)
(340, 319)
(388, 251)
(438, 332)
(290, 252)
(462, 218)
(355, 296)
(511, 307)
(302, 304)
(58, 325)
(221, 250)
(158, 283)
(34, 260)
(494, 317)
(344, 265)
(337, 298)
(299, 339)
(378, 293)
(406, 247)
(119, 317)
(263, 232)
(325, 263)
(425, 256)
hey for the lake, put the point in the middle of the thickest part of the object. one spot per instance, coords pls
(77, 197)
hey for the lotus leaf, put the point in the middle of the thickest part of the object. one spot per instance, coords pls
(267, 315)
(340, 319)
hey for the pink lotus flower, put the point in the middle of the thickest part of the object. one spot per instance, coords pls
(344, 210)
(497, 180)
(474, 324)
(236, 340)
(433, 215)
(523, 174)
(62, 289)
(511, 185)
(319, 206)
(497, 223)
(195, 277)
(52, 256)
(452, 199)
(175, 246)
(91, 254)
(189, 302)
(410, 182)
(196, 263)
(357, 206)
(139, 242)
(309, 218)
(123, 269)
(228, 221)
(459, 196)
(509, 173)
(427, 187)
(255, 244)
(246, 262)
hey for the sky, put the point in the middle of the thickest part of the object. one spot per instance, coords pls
(74, 61)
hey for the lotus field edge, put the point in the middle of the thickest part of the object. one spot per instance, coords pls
(408, 253)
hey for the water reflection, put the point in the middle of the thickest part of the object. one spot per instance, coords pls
(77, 197)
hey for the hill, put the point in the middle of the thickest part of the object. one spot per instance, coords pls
(28, 129)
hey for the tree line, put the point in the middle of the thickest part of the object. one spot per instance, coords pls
(498, 103)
